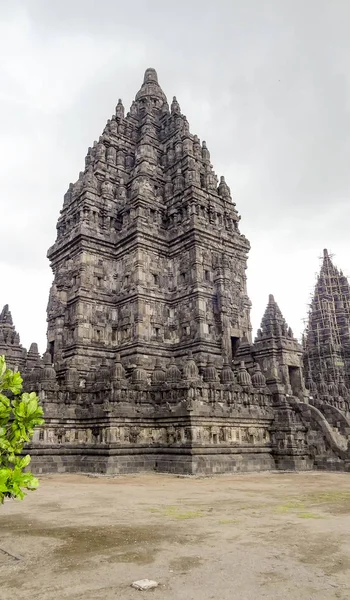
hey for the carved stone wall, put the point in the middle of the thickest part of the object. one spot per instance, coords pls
(186, 425)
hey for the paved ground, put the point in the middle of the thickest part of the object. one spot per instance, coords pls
(277, 536)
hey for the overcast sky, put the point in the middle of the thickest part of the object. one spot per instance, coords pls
(265, 83)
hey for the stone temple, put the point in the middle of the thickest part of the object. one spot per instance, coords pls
(150, 362)
(327, 339)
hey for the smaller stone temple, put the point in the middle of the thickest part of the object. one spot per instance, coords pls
(150, 362)
(17, 357)
(326, 343)
(9, 341)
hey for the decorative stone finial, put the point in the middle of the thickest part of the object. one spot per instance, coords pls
(33, 353)
(209, 373)
(173, 373)
(258, 379)
(205, 152)
(150, 76)
(48, 372)
(332, 389)
(139, 374)
(243, 377)
(151, 95)
(119, 110)
(322, 386)
(223, 189)
(175, 107)
(190, 370)
(227, 375)
(158, 374)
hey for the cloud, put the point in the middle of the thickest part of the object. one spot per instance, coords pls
(266, 84)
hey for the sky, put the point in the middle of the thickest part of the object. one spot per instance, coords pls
(265, 82)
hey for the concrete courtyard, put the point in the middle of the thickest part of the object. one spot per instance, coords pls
(278, 536)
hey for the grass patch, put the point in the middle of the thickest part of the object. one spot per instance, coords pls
(290, 506)
(190, 514)
(330, 496)
(333, 501)
(176, 512)
(309, 515)
(228, 521)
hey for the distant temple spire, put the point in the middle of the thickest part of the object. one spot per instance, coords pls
(273, 323)
(5, 316)
(327, 337)
(10, 344)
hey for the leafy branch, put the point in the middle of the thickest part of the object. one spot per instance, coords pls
(19, 415)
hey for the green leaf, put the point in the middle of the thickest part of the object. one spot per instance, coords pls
(20, 409)
(24, 462)
(15, 384)
(5, 409)
(32, 406)
(33, 484)
(2, 366)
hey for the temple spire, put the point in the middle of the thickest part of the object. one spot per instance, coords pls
(327, 338)
(6, 316)
(273, 323)
(147, 174)
(10, 344)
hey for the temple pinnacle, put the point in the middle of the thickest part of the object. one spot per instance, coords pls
(151, 88)
(150, 75)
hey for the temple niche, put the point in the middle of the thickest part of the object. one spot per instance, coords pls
(150, 362)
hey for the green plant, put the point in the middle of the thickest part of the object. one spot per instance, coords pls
(19, 414)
